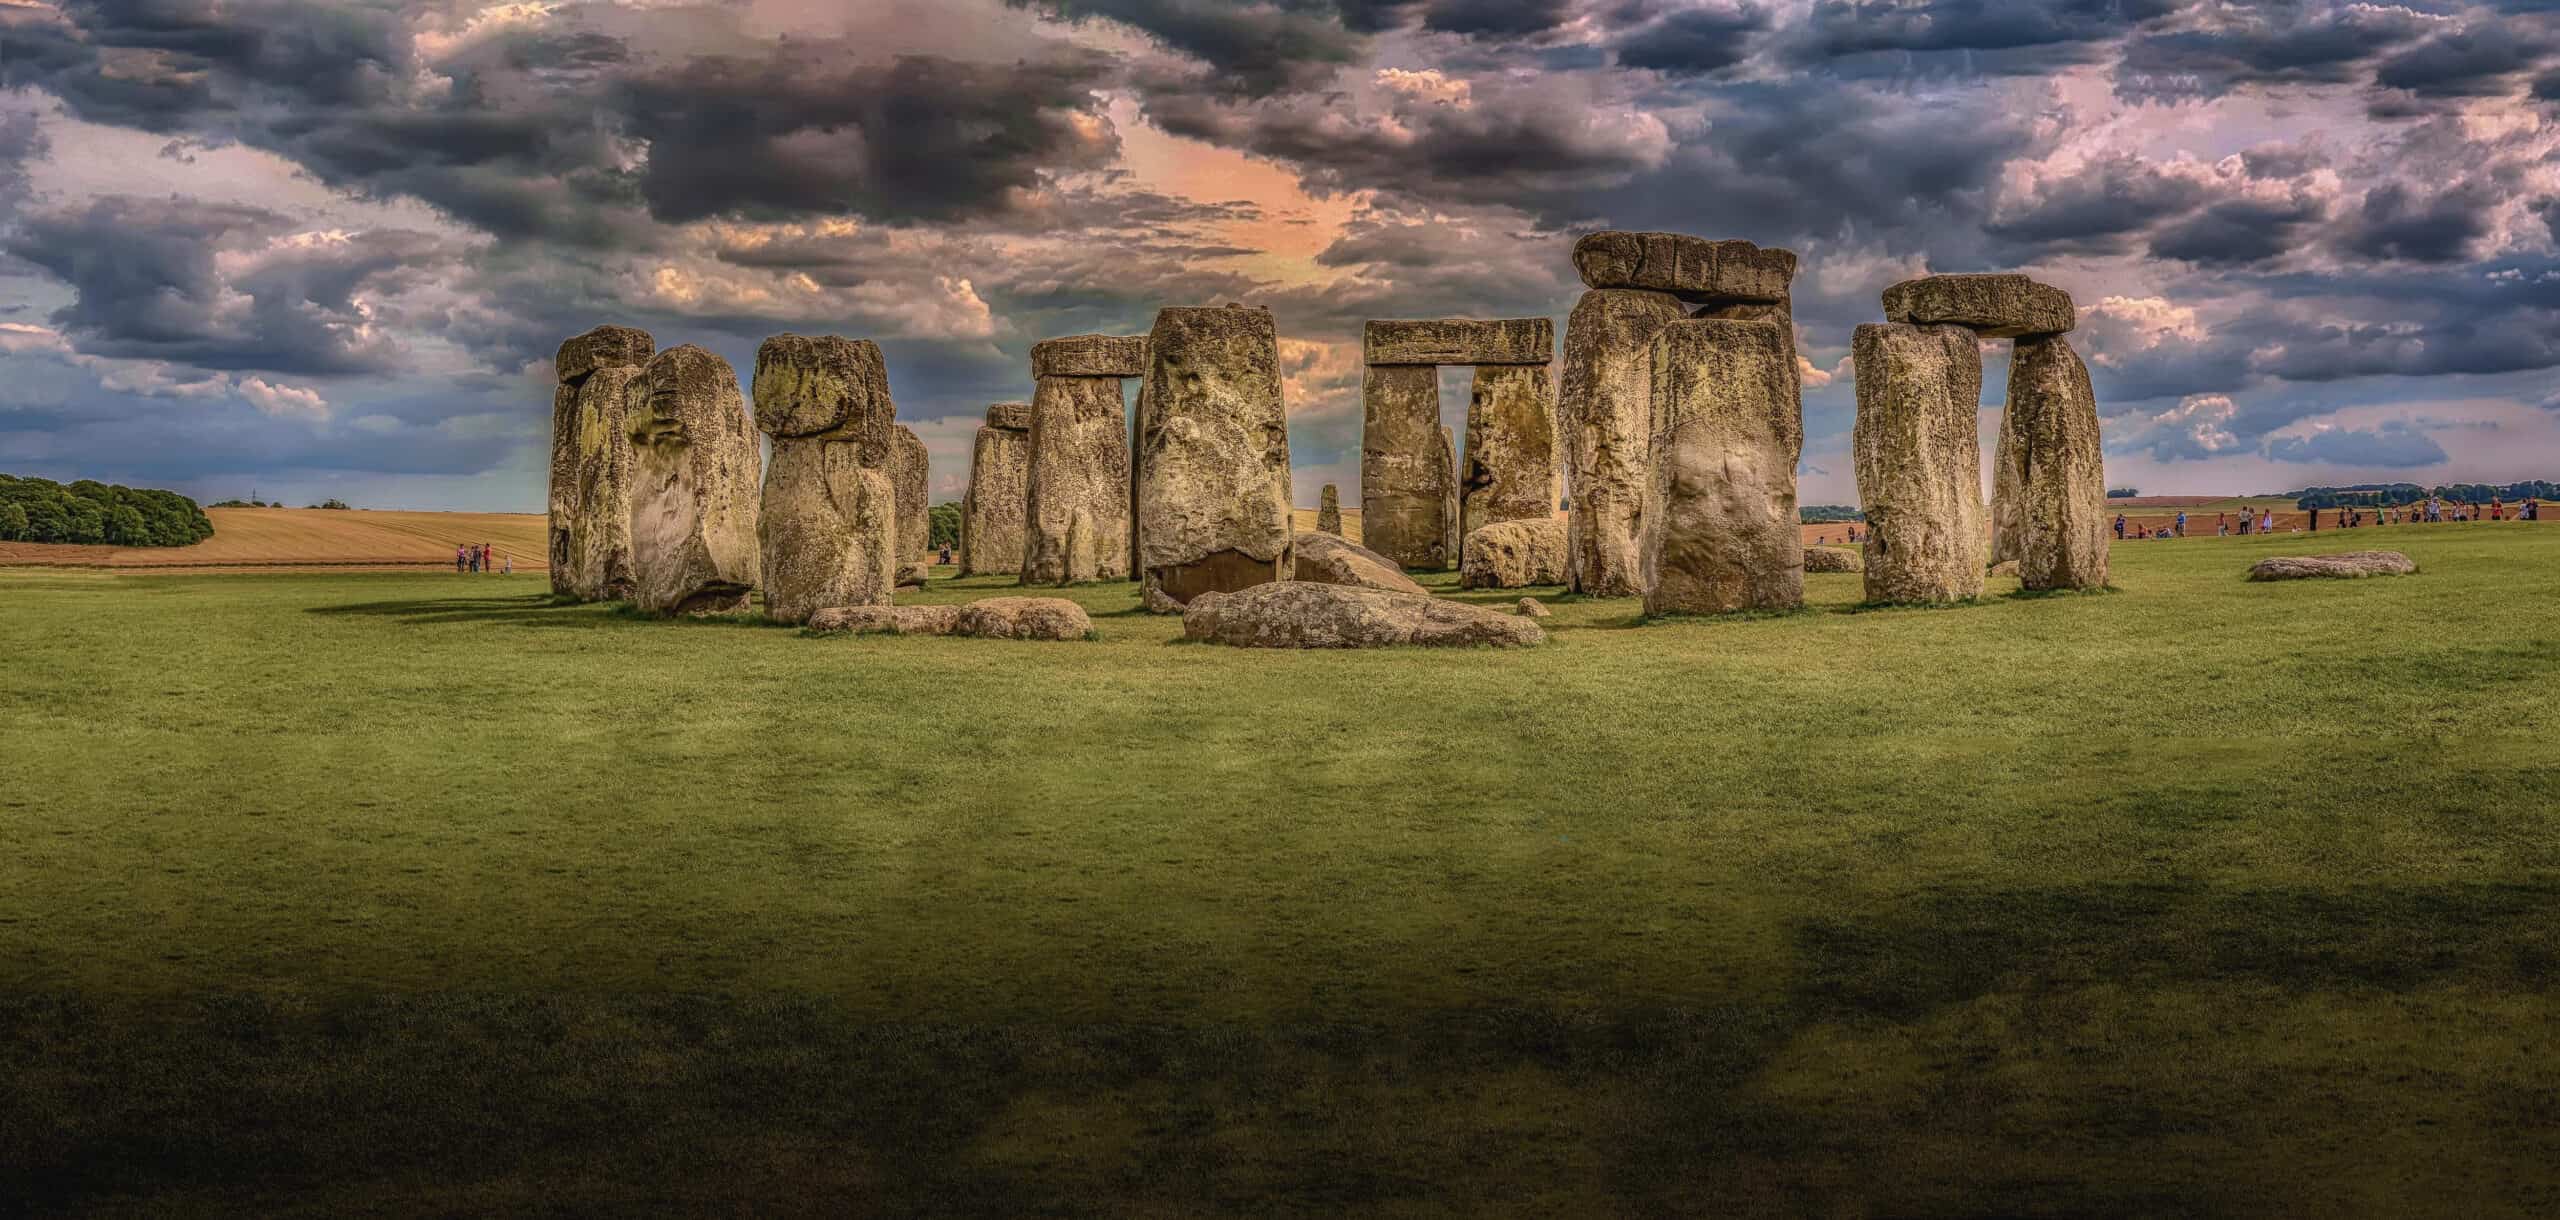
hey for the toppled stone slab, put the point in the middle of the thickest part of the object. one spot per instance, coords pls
(2349, 565)
(1213, 485)
(604, 347)
(1406, 483)
(2052, 469)
(994, 513)
(994, 618)
(823, 385)
(1459, 341)
(1090, 356)
(1918, 450)
(1326, 559)
(1605, 408)
(1831, 559)
(1530, 607)
(1329, 512)
(1514, 555)
(1691, 268)
(696, 477)
(1996, 306)
(1720, 527)
(1295, 614)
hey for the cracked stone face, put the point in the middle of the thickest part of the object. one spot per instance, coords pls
(695, 482)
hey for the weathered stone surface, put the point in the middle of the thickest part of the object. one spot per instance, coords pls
(1531, 607)
(604, 347)
(823, 385)
(1329, 512)
(1918, 449)
(590, 523)
(1405, 482)
(1692, 268)
(1606, 405)
(695, 478)
(1327, 559)
(1514, 555)
(827, 528)
(997, 618)
(1090, 356)
(1153, 600)
(1451, 539)
(2006, 567)
(1831, 559)
(1459, 341)
(1214, 499)
(1511, 449)
(994, 511)
(1079, 468)
(1720, 530)
(1295, 614)
(2003, 306)
(2348, 565)
(2005, 503)
(910, 471)
(2059, 484)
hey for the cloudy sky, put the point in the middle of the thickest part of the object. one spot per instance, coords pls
(326, 247)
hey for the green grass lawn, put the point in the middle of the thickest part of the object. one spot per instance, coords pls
(421, 894)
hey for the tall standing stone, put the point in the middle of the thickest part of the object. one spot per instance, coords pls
(828, 521)
(695, 473)
(1511, 460)
(600, 388)
(910, 474)
(2059, 487)
(1079, 468)
(1606, 406)
(1329, 512)
(1919, 457)
(1720, 529)
(1214, 498)
(1451, 541)
(993, 512)
(2005, 455)
(1403, 483)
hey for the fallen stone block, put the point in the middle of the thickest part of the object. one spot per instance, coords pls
(1295, 614)
(1327, 559)
(2350, 565)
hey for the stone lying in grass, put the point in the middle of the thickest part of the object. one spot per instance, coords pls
(1832, 559)
(1299, 614)
(1514, 555)
(1531, 607)
(2347, 566)
(1325, 559)
(994, 618)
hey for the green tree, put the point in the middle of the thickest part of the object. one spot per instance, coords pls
(13, 523)
(946, 525)
(125, 526)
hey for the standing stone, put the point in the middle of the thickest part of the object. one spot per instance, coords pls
(1919, 456)
(2059, 490)
(1607, 409)
(590, 528)
(910, 471)
(1403, 484)
(993, 512)
(1329, 512)
(1214, 503)
(1720, 530)
(1511, 457)
(2004, 494)
(695, 471)
(828, 523)
(1079, 465)
(1451, 541)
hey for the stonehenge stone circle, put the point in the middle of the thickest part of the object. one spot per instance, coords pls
(910, 471)
(828, 522)
(695, 475)
(2349, 565)
(600, 388)
(1514, 555)
(1079, 471)
(1213, 489)
(1405, 482)
(1327, 559)
(992, 513)
(1511, 457)
(1329, 512)
(1720, 529)
(1919, 460)
(1998, 306)
(1295, 614)
(1691, 268)
(1438, 341)
(2058, 480)
(1606, 410)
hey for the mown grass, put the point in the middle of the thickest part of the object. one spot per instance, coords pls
(329, 894)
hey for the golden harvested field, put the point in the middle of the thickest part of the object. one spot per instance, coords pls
(313, 537)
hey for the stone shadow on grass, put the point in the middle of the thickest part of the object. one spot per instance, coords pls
(532, 609)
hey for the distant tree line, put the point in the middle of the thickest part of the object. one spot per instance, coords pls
(2123, 493)
(1827, 514)
(946, 525)
(2380, 495)
(93, 513)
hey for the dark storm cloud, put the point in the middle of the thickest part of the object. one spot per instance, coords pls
(1496, 18)
(2395, 444)
(1694, 41)
(2399, 221)
(2238, 232)
(2479, 62)
(1254, 47)
(2266, 44)
(161, 65)
(146, 284)
(2098, 208)
(1839, 28)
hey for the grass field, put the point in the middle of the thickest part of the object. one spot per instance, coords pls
(311, 537)
(325, 894)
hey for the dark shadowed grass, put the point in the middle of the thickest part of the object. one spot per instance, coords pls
(331, 894)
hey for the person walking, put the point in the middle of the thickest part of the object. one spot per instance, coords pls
(2267, 522)
(2315, 520)
(458, 561)
(2119, 527)
(2182, 523)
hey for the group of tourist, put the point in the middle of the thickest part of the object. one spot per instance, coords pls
(481, 557)
(2432, 509)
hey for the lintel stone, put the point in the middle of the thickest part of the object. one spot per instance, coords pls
(1459, 341)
